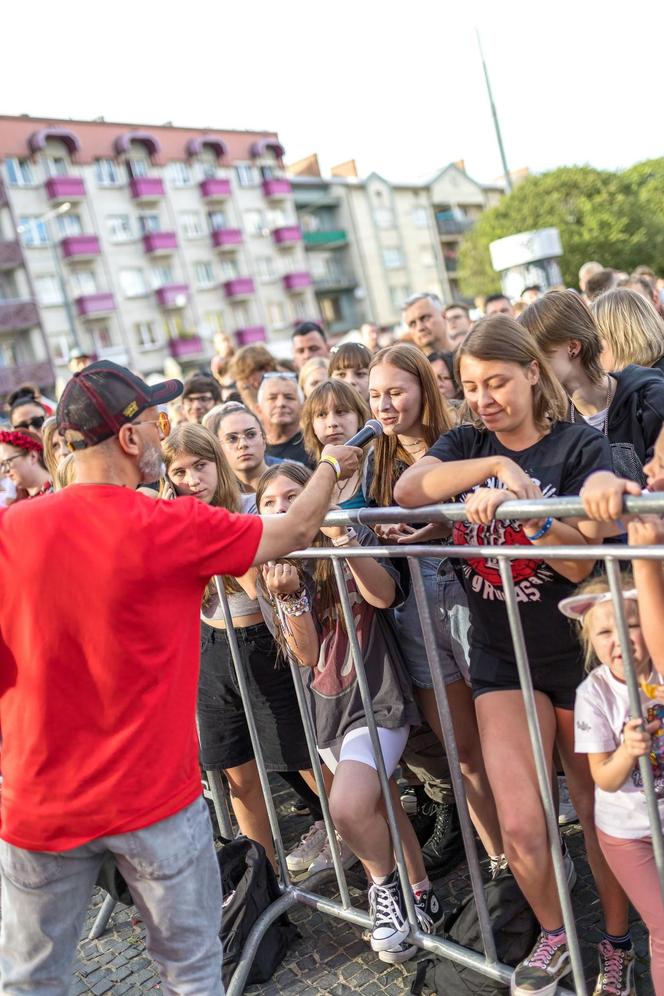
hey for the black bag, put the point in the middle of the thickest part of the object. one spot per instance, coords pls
(515, 931)
(250, 886)
(110, 879)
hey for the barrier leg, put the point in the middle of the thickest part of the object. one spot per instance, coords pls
(551, 817)
(220, 802)
(445, 716)
(102, 918)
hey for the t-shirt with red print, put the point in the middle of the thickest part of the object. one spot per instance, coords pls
(100, 595)
(559, 463)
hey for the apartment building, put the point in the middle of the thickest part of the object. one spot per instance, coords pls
(371, 243)
(139, 243)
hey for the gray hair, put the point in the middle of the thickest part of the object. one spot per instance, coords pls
(286, 376)
(425, 296)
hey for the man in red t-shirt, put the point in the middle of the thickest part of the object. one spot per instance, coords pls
(101, 589)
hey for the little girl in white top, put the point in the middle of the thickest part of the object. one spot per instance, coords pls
(613, 743)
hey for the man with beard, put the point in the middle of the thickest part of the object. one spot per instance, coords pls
(99, 660)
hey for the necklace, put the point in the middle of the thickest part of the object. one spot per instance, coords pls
(609, 399)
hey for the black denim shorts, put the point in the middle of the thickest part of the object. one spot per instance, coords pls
(222, 723)
(558, 680)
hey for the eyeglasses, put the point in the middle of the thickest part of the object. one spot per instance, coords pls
(35, 422)
(162, 422)
(233, 438)
(191, 399)
(6, 465)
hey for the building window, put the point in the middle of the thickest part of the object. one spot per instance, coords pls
(299, 306)
(149, 223)
(137, 167)
(49, 290)
(208, 169)
(32, 229)
(8, 353)
(427, 257)
(330, 310)
(107, 172)
(8, 290)
(247, 176)
(56, 165)
(392, 259)
(119, 227)
(213, 322)
(204, 273)
(146, 335)
(216, 220)
(179, 174)
(398, 295)
(383, 217)
(59, 346)
(102, 337)
(241, 315)
(265, 268)
(161, 276)
(253, 222)
(19, 172)
(276, 218)
(420, 217)
(229, 269)
(132, 282)
(174, 326)
(276, 314)
(83, 282)
(69, 224)
(191, 224)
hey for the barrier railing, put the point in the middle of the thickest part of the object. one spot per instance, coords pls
(292, 893)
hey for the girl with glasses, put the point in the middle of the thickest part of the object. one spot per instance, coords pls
(22, 461)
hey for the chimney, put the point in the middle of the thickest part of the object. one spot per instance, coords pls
(309, 166)
(460, 164)
(349, 168)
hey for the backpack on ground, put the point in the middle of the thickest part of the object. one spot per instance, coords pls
(250, 886)
(515, 931)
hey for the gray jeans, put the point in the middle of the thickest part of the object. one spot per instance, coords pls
(172, 872)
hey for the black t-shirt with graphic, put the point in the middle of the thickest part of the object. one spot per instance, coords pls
(559, 463)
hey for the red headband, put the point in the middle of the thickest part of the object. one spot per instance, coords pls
(21, 440)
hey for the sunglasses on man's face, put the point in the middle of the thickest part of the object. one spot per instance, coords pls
(162, 422)
(36, 422)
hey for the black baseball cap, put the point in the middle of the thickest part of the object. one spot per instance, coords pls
(99, 400)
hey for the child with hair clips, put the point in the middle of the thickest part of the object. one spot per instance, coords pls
(613, 743)
(311, 622)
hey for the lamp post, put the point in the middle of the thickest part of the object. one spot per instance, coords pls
(46, 218)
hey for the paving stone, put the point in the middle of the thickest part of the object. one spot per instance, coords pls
(102, 987)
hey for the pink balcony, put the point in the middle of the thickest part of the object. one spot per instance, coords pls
(276, 190)
(157, 243)
(252, 333)
(40, 372)
(215, 190)
(173, 295)
(21, 313)
(297, 281)
(80, 247)
(146, 188)
(10, 255)
(226, 238)
(182, 348)
(239, 287)
(65, 188)
(287, 235)
(95, 305)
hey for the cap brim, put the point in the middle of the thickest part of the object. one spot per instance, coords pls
(167, 390)
(576, 606)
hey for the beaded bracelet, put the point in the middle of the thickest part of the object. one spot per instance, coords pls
(542, 531)
(295, 604)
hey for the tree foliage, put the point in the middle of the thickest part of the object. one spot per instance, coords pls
(616, 218)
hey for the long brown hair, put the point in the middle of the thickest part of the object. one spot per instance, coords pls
(330, 391)
(436, 418)
(559, 316)
(195, 440)
(502, 339)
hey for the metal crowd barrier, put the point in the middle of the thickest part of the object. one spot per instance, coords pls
(304, 892)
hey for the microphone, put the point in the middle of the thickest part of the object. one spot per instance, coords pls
(369, 431)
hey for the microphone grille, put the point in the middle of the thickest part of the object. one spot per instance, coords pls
(374, 424)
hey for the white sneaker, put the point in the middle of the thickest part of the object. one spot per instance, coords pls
(566, 811)
(310, 846)
(324, 859)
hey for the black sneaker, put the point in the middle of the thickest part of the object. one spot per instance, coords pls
(387, 909)
(424, 819)
(444, 849)
(429, 911)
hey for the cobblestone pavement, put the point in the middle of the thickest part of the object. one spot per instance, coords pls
(329, 958)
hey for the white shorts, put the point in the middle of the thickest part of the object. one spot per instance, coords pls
(356, 746)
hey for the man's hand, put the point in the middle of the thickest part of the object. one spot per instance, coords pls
(281, 579)
(349, 457)
(603, 493)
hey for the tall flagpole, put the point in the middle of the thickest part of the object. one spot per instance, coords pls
(508, 178)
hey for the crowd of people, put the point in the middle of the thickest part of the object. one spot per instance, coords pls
(154, 502)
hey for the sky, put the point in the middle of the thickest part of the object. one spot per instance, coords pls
(397, 86)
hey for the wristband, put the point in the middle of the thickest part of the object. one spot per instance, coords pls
(334, 464)
(542, 531)
(345, 540)
(297, 604)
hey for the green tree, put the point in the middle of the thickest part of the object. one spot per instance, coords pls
(599, 214)
(646, 180)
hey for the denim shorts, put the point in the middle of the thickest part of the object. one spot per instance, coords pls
(222, 723)
(450, 619)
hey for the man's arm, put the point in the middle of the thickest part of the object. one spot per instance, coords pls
(297, 527)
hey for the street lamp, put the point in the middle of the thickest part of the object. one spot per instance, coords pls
(46, 218)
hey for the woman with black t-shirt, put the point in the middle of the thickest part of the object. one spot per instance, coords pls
(518, 447)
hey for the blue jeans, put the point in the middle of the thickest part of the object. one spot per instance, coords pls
(172, 872)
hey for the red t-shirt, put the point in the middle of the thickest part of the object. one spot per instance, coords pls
(100, 594)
